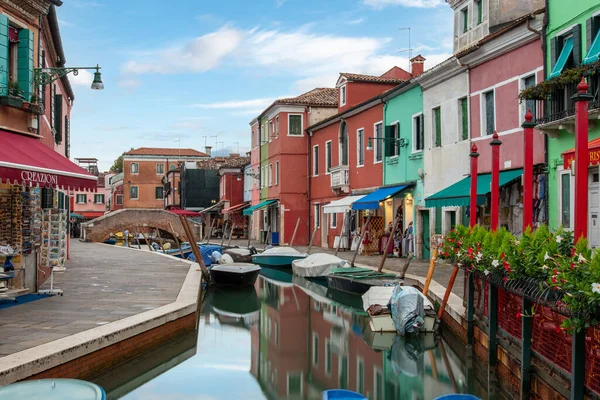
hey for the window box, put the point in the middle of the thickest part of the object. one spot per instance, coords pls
(11, 101)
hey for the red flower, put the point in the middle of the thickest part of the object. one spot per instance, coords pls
(558, 329)
(572, 266)
(506, 265)
(505, 279)
(573, 252)
(554, 280)
(555, 271)
(519, 315)
(555, 287)
(502, 256)
(446, 254)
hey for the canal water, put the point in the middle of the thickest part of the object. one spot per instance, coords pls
(290, 338)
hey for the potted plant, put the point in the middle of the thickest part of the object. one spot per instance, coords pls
(34, 106)
(13, 99)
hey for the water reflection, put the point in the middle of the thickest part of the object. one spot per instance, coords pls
(291, 339)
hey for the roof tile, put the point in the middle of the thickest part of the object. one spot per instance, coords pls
(156, 151)
(316, 97)
(371, 78)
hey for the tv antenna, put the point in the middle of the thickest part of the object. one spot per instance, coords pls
(409, 48)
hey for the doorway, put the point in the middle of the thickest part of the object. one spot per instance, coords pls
(425, 234)
(594, 207)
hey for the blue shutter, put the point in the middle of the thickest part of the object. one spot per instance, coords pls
(3, 55)
(563, 58)
(25, 63)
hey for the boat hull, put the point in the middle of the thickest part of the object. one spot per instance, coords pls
(357, 286)
(227, 277)
(276, 260)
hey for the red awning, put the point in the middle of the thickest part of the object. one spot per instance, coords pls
(91, 214)
(594, 148)
(186, 213)
(237, 207)
(25, 160)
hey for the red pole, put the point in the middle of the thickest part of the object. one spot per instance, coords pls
(582, 159)
(528, 171)
(495, 143)
(474, 170)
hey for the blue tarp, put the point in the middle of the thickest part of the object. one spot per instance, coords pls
(206, 250)
(562, 59)
(371, 201)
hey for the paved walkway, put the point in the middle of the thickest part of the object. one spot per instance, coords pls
(101, 284)
(417, 267)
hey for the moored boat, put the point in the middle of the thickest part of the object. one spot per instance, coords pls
(317, 266)
(234, 275)
(241, 255)
(53, 389)
(281, 257)
(359, 280)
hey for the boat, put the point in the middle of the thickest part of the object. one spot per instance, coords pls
(238, 307)
(234, 275)
(359, 280)
(281, 257)
(186, 250)
(375, 302)
(379, 341)
(241, 255)
(317, 266)
(342, 394)
(53, 389)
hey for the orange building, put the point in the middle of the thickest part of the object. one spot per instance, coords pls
(144, 169)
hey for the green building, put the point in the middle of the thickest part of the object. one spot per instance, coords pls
(572, 41)
(403, 120)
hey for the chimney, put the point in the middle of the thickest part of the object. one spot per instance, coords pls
(208, 150)
(417, 65)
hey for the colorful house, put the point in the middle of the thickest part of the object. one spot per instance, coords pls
(231, 193)
(572, 41)
(280, 149)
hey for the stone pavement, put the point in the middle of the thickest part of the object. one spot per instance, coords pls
(417, 267)
(101, 284)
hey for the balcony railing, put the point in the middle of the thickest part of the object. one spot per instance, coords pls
(340, 178)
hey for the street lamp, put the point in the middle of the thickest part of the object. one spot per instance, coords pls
(44, 76)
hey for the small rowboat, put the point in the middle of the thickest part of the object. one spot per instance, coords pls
(53, 389)
(281, 257)
(359, 280)
(234, 275)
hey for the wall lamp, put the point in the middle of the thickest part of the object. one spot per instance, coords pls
(400, 142)
(44, 76)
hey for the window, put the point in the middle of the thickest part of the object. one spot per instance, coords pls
(134, 168)
(328, 156)
(276, 173)
(270, 175)
(119, 199)
(328, 355)
(295, 125)
(13, 54)
(271, 130)
(360, 375)
(360, 147)
(562, 49)
(172, 167)
(159, 193)
(488, 113)
(378, 384)
(160, 169)
(565, 199)
(263, 175)
(391, 142)
(277, 126)
(526, 83)
(343, 95)
(378, 136)
(343, 372)
(133, 193)
(463, 118)
(58, 117)
(81, 198)
(315, 350)
(98, 199)
(464, 16)
(294, 384)
(436, 120)
(592, 29)
(418, 134)
(317, 216)
(343, 141)
(479, 5)
(315, 160)
(333, 220)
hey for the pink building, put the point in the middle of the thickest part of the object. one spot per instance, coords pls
(92, 205)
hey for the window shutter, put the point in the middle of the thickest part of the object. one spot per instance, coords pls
(553, 52)
(589, 34)
(25, 62)
(58, 118)
(465, 119)
(52, 104)
(3, 55)
(387, 142)
(438, 128)
(43, 87)
(489, 113)
(396, 144)
(577, 45)
(67, 137)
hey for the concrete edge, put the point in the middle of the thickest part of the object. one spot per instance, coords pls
(23, 364)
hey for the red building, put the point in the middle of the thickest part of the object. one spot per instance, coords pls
(341, 163)
(231, 193)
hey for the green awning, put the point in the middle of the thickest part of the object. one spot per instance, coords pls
(562, 59)
(458, 195)
(594, 52)
(266, 203)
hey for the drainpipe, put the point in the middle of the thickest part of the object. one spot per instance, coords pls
(546, 139)
(308, 176)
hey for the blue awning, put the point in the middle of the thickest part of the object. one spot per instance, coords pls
(594, 52)
(266, 203)
(371, 201)
(562, 59)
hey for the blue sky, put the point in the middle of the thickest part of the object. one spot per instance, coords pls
(178, 71)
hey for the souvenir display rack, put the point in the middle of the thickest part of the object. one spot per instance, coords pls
(54, 235)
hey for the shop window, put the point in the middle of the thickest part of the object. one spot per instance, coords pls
(418, 133)
(377, 142)
(119, 199)
(81, 199)
(134, 168)
(315, 160)
(315, 350)
(98, 199)
(333, 219)
(160, 169)
(328, 156)
(489, 113)
(295, 125)
(133, 193)
(159, 193)
(436, 120)
(360, 147)
(463, 118)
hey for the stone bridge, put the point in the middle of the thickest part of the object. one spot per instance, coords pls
(136, 220)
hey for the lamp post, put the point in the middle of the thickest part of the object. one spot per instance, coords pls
(495, 209)
(528, 171)
(473, 204)
(45, 76)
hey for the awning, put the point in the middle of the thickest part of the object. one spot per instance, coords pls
(26, 160)
(92, 214)
(594, 52)
(266, 203)
(371, 201)
(214, 208)
(594, 148)
(562, 59)
(76, 216)
(185, 213)
(459, 194)
(237, 207)
(341, 205)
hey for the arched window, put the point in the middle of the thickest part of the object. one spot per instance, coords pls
(172, 167)
(343, 143)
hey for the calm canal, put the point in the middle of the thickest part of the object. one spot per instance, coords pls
(289, 338)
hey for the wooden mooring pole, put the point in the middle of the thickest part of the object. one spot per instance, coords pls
(294, 234)
(192, 240)
(362, 237)
(176, 240)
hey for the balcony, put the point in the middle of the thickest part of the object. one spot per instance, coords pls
(340, 179)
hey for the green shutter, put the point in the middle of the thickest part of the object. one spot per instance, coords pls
(3, 55)
(396, 144)
(58, 118)
(438, 127)
(438, 220)
(421, 131)
(576, 45)
(553, 52)
(465, 118)
(479, 12)
(25, 63)
(388, 142)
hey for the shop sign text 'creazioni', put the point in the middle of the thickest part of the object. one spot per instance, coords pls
(39, 177)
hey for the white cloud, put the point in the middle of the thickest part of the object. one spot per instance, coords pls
(129, 83)
(356, 21)
(279, 3)
(379, 4)
(236, 104)
(83, 78)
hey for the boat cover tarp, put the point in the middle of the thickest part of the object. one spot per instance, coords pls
(377, 295)
(282, 251)
(206, 251)
(318, 264)
(408, 312)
